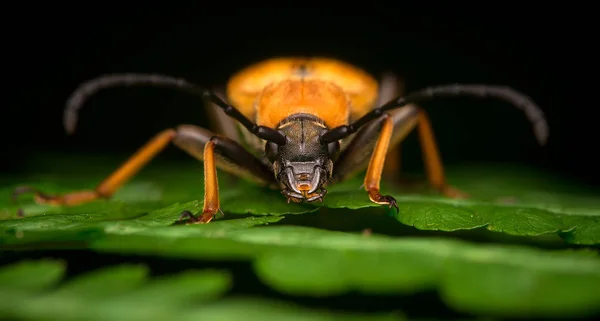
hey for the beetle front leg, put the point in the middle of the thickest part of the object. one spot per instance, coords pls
(431, 157)
(377, 137)
(391, 86)
(376, 164)
(204, 145)
(211, 187)
(223, 153)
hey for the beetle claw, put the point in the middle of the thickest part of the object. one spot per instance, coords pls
(391, 201)
(188, 217)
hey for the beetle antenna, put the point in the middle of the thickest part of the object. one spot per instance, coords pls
(533, 113)
(90, 87)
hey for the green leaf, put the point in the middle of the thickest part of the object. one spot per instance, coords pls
(505, 199)
(123, 293)
(510, 200)
(308, 261)
(31, 276)
(311, 258)
(106, 282)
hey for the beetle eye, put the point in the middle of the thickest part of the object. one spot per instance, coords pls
(271, 150)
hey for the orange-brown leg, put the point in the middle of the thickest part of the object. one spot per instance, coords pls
(112, 183)
(433, 162)
(191, 139)
(373, 176)
(391, 86)
(211, 188)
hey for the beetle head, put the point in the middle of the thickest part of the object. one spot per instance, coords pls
(303, 165)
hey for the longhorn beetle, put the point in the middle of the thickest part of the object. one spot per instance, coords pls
(296, 124)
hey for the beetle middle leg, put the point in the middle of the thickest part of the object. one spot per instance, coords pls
(215, 151)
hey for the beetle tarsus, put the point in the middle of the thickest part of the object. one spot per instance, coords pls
(188, 217)
(384, 200)
(391, 202)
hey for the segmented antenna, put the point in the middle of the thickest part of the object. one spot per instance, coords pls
(91, 87)
(533, 113)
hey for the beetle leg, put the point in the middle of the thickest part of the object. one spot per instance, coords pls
(377, 137)
(226, 154)
(391, 86)
(107, 187)
(373, 177)
(215, 151)
(211, 186)
(355, 156)
(431, 157)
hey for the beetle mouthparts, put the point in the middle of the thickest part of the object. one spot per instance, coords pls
(304, 196)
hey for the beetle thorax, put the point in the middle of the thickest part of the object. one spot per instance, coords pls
(321, 98)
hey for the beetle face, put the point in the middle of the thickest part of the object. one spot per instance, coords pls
(303, 165)
(303, 180)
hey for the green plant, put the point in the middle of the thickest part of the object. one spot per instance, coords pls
(524, 245)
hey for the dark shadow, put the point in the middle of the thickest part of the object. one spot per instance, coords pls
(378, 221)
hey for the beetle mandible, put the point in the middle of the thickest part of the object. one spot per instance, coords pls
(296, 124)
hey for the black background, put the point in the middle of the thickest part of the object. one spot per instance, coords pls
(49, 50)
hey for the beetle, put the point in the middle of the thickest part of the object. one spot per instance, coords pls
(296, 124)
